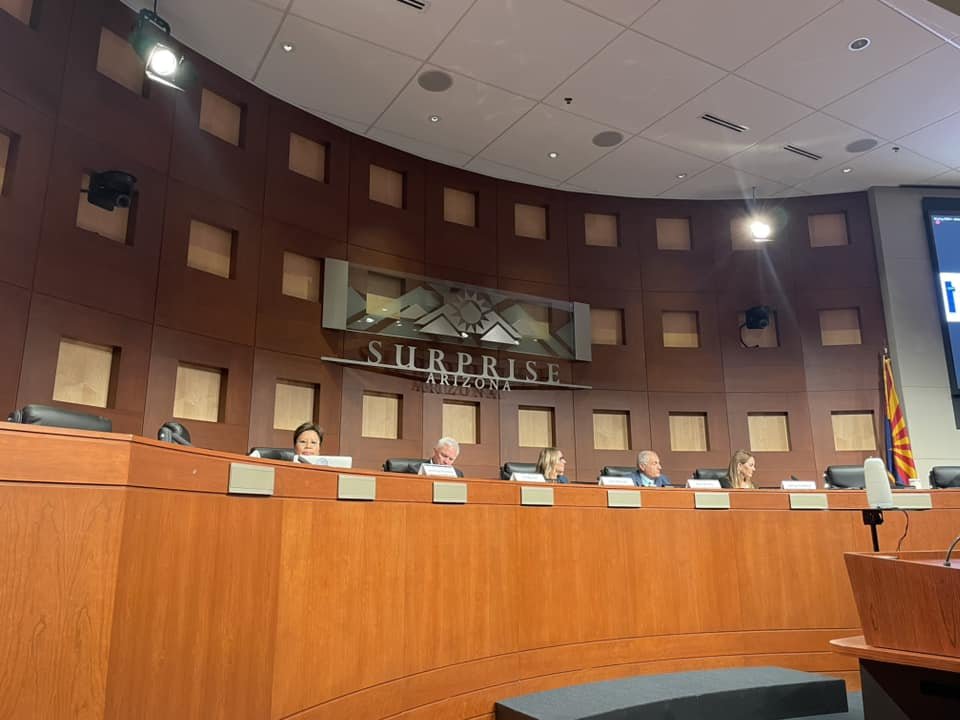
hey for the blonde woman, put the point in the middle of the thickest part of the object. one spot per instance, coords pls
(742, 466)
(551, 465)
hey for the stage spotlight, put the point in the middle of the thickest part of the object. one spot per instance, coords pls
(111, 189)
(760, 230)
(152, 42)
(757, 317)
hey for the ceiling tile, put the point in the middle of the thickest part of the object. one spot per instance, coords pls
(279, 4)
(471, 114)
(817, 133)
(621, 11)
(938, 141)
(385, 22)
(541, 131)
(232, 33)
(925, 91)
(730, 32)
(733, 99)
(419, 148)
(505, 172)
(513, 45)
(948, 178)
(640, 168)
(633, 82)
(360, 79)
(723, 183)
(882, 166)
(815, 66)
(931, 16)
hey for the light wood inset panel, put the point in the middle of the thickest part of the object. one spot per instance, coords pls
(853, 430)
(459, 207)
(461, 420)
(840, 327)
(611, 430)
(768, 432)
(381, 291)
(688, 432)
(769, 337)
(307, 158)
(20, 9)
(5, 144)
(530, 221)
(536, 427)
(111, 224)
(301, 277)
(117, 60)
(381, 415)
(210, 249)
(681, 329)
(673, 234)
(387, 186)
(84, 373)
(294, 403)
(198, 393)
(828, 229)
(220, 117)
(606, 326)
(601, 230)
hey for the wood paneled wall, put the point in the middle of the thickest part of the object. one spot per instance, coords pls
(66, 118)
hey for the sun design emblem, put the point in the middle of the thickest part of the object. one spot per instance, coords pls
(468, 311)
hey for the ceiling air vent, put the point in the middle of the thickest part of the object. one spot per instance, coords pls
(724, 123)
(420, 5)
(802, 153)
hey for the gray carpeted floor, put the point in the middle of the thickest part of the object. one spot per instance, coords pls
(854, 701)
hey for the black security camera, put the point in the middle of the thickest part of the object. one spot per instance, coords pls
(757, 317)
(111, 189)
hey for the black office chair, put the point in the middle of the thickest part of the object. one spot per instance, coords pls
(509, 468)
(273, 453)
(720, 474)
(174, 432)
(945, 476)
(617, 471)
(403, 465)
(844, 477)
(58, 417)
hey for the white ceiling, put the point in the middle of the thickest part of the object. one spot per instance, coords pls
(645, 68)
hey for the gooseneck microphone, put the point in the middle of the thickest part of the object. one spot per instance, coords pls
(956, 540)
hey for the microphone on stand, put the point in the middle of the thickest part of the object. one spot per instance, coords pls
(946, 563)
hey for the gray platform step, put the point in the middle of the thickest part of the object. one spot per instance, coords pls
(763, 693)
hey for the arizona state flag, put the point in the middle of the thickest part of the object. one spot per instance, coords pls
(899, 453)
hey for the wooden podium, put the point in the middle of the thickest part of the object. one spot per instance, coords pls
(909, 653)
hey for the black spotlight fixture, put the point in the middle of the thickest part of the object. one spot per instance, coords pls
(755, 318)
(111, 189)
(162, 60)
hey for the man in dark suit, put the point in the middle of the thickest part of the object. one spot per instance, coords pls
(649, 472)
(446, 452)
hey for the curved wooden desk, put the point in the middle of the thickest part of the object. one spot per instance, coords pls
(133, 585)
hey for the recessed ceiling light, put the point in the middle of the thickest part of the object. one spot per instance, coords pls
(287, 47)
(681, 176)
(552, 155)
(434, 118)
(861, 43)
(435, 81)
(847, 170)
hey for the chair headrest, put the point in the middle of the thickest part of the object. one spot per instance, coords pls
(617, 471)
(58, 417)
(509, 468)
(274, 453)
(945, 476)
(403, 465)
(720, 474)
(174, 432)
(848, 477)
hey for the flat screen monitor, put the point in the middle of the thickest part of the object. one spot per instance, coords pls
(943, 232)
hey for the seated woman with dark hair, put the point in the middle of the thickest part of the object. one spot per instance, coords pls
(551, 465)
(307, 439)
